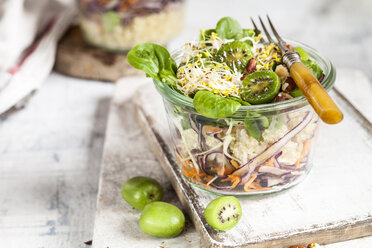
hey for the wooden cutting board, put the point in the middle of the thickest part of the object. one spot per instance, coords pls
(76, 58)
(333, 204)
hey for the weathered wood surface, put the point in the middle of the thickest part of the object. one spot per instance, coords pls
(50, 155)
(322, 208)
(76, 58)
(327, 205)
(127, 153)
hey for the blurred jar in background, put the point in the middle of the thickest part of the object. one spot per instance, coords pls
(119, 25)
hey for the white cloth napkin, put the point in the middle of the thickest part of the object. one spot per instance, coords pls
(27, 24)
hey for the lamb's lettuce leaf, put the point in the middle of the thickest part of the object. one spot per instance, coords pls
(228, 28)
(314, 68)
(155, 61)
(256, 124)
(214, 106)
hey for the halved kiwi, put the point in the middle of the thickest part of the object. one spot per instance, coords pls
(235, 54)
(260, 87)
(223, 213)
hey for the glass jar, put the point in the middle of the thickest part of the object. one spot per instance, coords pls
(119, 25)
(222, 156)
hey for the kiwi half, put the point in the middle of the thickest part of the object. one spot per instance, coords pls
(260, 87)
(223, 213)
(235, 54)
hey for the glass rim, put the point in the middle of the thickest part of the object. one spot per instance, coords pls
(297, 102)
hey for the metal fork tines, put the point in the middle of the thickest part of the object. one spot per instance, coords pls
(280, 42)
(289, 56)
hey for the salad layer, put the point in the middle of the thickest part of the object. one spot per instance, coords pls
(120, 25)
(223, 156)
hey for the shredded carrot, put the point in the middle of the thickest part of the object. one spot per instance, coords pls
(305, 150)
(234, 179)
(220, 170)
(192, 173)
(212, 129)
(270, 162)
(246, 185)
(207, 178)
(234, 163)
(257, 187)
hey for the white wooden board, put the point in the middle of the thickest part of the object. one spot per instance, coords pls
(334, 203)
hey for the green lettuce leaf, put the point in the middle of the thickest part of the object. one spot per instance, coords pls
(213, 106)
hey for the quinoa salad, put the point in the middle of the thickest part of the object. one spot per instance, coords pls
(120, 25)
(223, 142)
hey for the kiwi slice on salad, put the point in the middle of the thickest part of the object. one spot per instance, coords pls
(235, 54)
(260, 87)
(223, 213)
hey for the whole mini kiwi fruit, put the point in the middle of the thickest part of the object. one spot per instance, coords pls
(235, 54)
(140, 191)
(223, 213)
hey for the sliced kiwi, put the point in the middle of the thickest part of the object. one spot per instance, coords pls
(235, 54)
(260, 87)
(223, 213)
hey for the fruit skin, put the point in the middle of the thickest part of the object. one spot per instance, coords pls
(140, 191)
(213, 211)
(235, 54)
(251, 87)
(161, 219)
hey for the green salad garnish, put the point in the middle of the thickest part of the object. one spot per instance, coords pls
(226, 68)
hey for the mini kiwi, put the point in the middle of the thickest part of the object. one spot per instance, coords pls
(260, 87)
(235, 54)
(223, 213)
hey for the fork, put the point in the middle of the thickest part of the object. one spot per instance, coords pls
(311, 88)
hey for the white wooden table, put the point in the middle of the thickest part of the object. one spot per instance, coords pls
(50, 155)
(50, 152)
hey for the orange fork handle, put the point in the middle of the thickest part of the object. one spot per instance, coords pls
(316, 95)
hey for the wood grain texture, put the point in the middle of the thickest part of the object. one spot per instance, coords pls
(78, 59)
(121, 148)
(50, 155)
(322, 208)
(127, 153)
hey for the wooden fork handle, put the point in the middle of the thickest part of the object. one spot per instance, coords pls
(316, 95)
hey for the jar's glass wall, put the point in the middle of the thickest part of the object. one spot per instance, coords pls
(243, 155)
(259, 149)
(120, 25)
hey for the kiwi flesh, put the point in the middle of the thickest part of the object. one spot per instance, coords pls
(260, 87)
(235, 54)
(223, 213)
